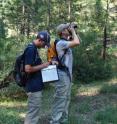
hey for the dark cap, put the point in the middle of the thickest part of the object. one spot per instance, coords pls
(44, 36)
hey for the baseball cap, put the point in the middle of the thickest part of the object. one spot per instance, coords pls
(61, 27)
(44, 36)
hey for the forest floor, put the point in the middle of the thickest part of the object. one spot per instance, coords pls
(94, 103)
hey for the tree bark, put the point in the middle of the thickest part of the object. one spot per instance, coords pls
(22, 30)
(28, 25)
(105, 32)
(104, 43)
(69, 10)
(48, 16)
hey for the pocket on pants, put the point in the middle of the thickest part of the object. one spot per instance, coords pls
(34, 99)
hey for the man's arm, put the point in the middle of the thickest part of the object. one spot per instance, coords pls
(31, 69)
(29, 60)
(75, 40)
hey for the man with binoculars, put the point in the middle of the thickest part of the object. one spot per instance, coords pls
(67, 40)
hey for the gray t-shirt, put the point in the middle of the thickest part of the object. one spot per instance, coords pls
(61, 46)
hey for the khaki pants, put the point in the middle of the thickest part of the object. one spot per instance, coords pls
(61, 99)
(34, 105)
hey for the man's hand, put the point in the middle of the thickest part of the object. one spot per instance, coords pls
(44, 65)
(72, 30)
(75, 39)
(54, 62)
(31, 69)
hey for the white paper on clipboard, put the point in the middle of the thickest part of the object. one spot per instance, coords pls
(50, 74)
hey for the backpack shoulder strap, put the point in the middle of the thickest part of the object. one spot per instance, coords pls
(31, 45)
(56, 41)
(65, 51)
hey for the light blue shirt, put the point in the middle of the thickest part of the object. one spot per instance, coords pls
(68, 57)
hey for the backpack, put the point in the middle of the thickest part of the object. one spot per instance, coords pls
(19, 74)
(52, 54)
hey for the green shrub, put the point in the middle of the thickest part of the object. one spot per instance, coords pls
(88, 63)
(109, 88)
(107, 116)
(10, 48)
(12, 91)
(10, 116)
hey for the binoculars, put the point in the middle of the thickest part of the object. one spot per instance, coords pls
(73, 25)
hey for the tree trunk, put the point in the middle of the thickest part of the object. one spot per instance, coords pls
(48, 16)
(22, 30)
(28, 25)
(105, 32)
(69, 10)
(104, 43)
